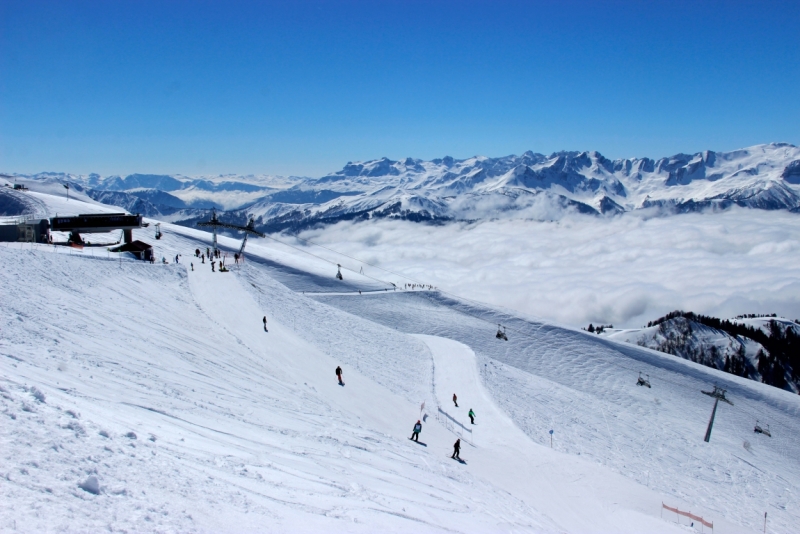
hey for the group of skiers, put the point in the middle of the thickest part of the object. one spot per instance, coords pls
(471, 414)
(418, 425)
(457, 445)
(213, 255)
(417, 286)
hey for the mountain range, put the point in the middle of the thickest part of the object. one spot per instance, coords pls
(530, 186)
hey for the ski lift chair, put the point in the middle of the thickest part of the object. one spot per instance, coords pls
(760, 430)
(643, 381)
(501, 334)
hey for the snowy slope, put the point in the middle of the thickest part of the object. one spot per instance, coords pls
(234, 427)
(237, 426)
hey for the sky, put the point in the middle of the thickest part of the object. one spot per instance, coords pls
(303, 87)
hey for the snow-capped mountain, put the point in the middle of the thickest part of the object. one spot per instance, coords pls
(532, 186)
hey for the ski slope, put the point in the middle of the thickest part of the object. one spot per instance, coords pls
(241, 429)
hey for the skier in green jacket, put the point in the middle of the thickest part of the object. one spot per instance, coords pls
(471, 415)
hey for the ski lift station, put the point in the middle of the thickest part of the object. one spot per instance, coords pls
(26, 231)
(39, 230)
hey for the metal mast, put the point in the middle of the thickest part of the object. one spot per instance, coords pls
(215, 223)
(719, 395)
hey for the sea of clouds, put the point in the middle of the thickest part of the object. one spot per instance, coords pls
(579, 269)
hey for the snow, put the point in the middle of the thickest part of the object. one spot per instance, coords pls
(160, 382)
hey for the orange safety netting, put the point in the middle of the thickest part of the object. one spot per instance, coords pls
(689, 515)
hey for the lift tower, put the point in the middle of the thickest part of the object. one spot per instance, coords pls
(215, 223)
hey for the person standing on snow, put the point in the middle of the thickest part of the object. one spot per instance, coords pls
(417, 430)
(456, 449)
(212, 266)
(471, 415)
(339, 375)
(265, 324)
(455, 400)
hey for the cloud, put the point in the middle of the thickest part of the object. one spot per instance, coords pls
(624, 270)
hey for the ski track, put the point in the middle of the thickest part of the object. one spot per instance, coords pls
(154, 349)
(546, 377)
(239, 427)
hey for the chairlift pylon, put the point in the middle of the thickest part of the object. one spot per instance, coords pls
(501, 334)
(643, 381)
(718, 393)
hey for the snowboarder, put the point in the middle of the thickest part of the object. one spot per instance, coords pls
(197, 253)
(471, 415)
(417, 430)
(455, 400)
(265, 324)
(212, 266)
(339, 375)
(456, 449)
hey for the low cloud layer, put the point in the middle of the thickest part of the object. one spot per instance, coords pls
(580, 269)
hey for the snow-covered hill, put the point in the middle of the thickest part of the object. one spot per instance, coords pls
(160, 382)
(734, 346)
(531, 185)
(699, 343)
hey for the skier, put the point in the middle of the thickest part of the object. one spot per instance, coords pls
(471, 415)
(455, 400)
(456, 449)
(212, 266)
(417, 430)
(208, 252)
(203, 258)
(339, 375)
(265, 324)
(197, 253)
(192, 264)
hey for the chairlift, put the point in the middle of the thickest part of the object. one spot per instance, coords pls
(158, 231)
(501, 334)
(643, 381)
(760, 430)
(339, 272)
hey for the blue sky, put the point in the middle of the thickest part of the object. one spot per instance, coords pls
(302, 87)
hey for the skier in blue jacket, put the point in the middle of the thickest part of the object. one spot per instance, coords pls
(417, 430)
